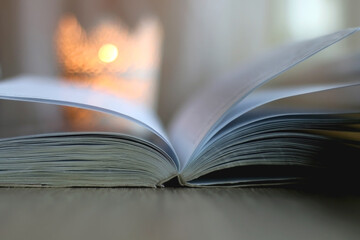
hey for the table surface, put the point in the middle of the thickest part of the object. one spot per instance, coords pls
(177, 213)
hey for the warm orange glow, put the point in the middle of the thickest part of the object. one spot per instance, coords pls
(138, 50)
(108, 53)
(111, 59)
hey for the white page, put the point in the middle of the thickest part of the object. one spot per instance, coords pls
(336, 102)
(263, 96)
(339, 98)
(54, 91)
(199, 117)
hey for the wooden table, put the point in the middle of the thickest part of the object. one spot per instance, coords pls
(177, 213)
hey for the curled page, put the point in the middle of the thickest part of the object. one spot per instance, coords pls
(200, 116)
(296, 130)
(52, 91)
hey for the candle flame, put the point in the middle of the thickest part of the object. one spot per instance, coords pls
(108, 53)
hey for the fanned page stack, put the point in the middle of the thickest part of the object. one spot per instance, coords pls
(247, 129)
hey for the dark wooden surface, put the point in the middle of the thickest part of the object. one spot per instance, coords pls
(174, 213)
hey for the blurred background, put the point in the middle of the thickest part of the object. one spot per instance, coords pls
(158, 52)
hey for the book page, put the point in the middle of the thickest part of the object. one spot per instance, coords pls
(286, 132)
(54, 91)
(264, 96)
(321, 99)
(199, 116)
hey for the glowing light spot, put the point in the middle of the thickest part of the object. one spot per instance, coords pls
(108, 53)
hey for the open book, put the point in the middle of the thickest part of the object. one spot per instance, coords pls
(250, 128)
